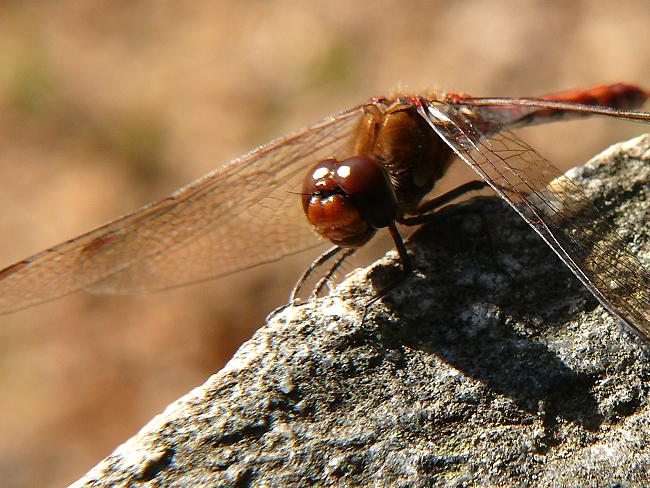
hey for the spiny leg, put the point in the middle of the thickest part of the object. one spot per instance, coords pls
(317, 263)
(407, 266)
(425, 212)
(455, 210)
(325, 280)
(428, 212)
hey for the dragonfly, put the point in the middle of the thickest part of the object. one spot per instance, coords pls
(370, 167)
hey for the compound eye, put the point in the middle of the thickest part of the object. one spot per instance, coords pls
(346, 201)
(319, 181)
(369, 188)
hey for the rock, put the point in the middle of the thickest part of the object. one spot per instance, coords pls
(483, 368)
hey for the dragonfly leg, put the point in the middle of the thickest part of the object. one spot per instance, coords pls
(455, 210)
(317, 263)
(407, 266)
(325, 280)
(429, 212)
(425, 212)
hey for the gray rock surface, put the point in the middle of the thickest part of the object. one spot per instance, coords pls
(468, 374)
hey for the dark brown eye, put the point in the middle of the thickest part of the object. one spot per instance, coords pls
(348, 200)
(367, 185)
(319, 182)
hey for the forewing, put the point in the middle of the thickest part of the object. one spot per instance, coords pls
(247, 213)
(524, 112)
(559, 212)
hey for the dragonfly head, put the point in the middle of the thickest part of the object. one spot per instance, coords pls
(347, 201)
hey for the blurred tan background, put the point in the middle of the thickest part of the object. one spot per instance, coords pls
(105, 106)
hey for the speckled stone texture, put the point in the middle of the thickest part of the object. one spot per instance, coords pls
(484, 368)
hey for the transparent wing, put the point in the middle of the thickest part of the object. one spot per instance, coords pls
(525, 112)
(244, 214)
(617, 100)
(559, 212)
